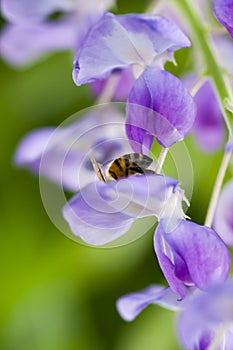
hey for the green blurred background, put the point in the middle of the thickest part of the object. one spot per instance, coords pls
(55, 293)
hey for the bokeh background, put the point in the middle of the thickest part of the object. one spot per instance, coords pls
(55, 293)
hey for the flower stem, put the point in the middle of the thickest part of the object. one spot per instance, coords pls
(217, 188)
(229, 105)
(211, 67)
(109, 89)
(161, 160)
(197, 85)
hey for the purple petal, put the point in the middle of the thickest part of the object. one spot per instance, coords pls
(22, 45)
(140, 196)
(208, 128)
(191, 254)
(119, 41)
(58, 165)
(32, 147)
(158, 105)
(93, 219)
(164, 256)
(102, 212)
(223, 218)
(130, 306)
(223, 10)
(62, 154)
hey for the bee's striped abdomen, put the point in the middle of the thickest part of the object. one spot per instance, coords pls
(127, 165)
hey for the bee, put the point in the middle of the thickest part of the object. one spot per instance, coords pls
(124, 166)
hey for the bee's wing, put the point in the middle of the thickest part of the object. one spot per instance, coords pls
(97, 167)
(141, 160)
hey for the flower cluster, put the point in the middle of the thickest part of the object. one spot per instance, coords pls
(131, 50)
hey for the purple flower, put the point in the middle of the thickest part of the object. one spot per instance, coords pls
(188, 254)
(158, 106)
(30, 35)
(223, 218)
(191, 255)
(223, 10)
(62, 154)
(208, 128)
(204, 318)
(207, 319)
(102, 212)
(116, 42)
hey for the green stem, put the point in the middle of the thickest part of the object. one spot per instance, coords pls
(211, 66)
(203, 43)
(217, 188)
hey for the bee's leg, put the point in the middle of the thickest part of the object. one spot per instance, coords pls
(97, 167)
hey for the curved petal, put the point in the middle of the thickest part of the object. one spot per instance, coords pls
(93, 219)
(223, 10)
(22, 45)
(223, 219)
(62, 154)
(164, 256)
(59, 165)
(141, 195)
(130, 306)
(119, 41)
(208, 128)
(191, 254)
(158, 105)
(32, 147)
(102, 212)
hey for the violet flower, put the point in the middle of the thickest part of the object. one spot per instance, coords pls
(30, 34)
(158, 106)
(223, 218)
(223, 10)
(189, 254)
(204, 318)
(117, 42)
(62, 154)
